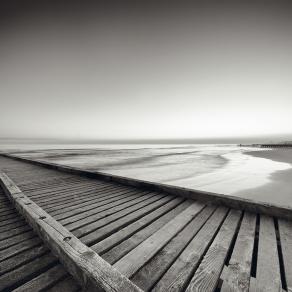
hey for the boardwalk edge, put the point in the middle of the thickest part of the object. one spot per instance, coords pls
(203, 196)
(86, 266)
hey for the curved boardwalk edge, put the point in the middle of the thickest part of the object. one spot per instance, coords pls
(85, 265)
(207, 197)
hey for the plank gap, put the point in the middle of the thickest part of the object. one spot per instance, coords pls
(280, 254)
(230, 251)
(253, 270)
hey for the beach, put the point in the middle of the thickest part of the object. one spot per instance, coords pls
(279, 188)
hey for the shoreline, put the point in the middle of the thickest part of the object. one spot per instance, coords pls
(278, 190)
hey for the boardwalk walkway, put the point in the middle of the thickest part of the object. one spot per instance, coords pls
(158, 240)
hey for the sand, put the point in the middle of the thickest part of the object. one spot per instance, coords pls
(279, 189)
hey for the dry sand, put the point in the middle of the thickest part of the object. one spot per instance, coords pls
(279, 189)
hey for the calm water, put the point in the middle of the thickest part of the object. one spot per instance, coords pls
(216, 168)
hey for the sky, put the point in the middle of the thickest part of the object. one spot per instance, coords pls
(136, 71)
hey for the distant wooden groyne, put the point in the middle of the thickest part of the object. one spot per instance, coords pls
(267, 145)
(100, 232)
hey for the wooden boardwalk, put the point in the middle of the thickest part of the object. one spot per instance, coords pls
(160, 240)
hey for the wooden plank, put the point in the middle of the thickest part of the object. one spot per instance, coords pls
(22, 258)
(15, 231)
(96, 208)
(19, 275)
(92, 223)
(110, 226)
(136, 258)
(16, 239)
(119, 236)
(10, 216)
(253, 285)
(238, 271)
(104, 210)
(12, 226)
(19, 247)
(127, 245)
(214, 198)
(66, 285)
(75, 201)
(285, 231)
(150, 273)
(268, 269)
(66, 206)
(176, 277)
(66, 197)
(52, 190)
(10, 221)
(97, 203)
(208, 272)
(83, 263)
(79, 192)
(45, 280)
(66, 210)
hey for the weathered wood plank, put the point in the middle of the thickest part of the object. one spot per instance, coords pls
(76, 193)
(112, 205)
(109, 226)
(12, 226)
(88, 225)
(14, 231)
(208, 272)
(268, 269)
(253, 285)
(150, 273)
(63, 207)
(16, 239)
(114, 254)
(19, 247)
(44, 281)
(127, 231)
(285, 230)
(22, 258)
(136, 258)
(10, 221)
(83, 263)
(176, 277)
(66, 285)
(19, 275)
(238, 271)
(94, 204)
(73, 208)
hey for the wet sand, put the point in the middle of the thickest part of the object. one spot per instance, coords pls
(279, 189)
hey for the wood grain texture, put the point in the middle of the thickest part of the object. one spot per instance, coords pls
(208, 272)
(135, 259)
(91, 271)
(119, 236)
(178, 275)
(44, 280)
(238, 271)
(268, 277)
(150, 273)
(127, 245)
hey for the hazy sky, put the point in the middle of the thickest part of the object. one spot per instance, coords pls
(161, 71)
